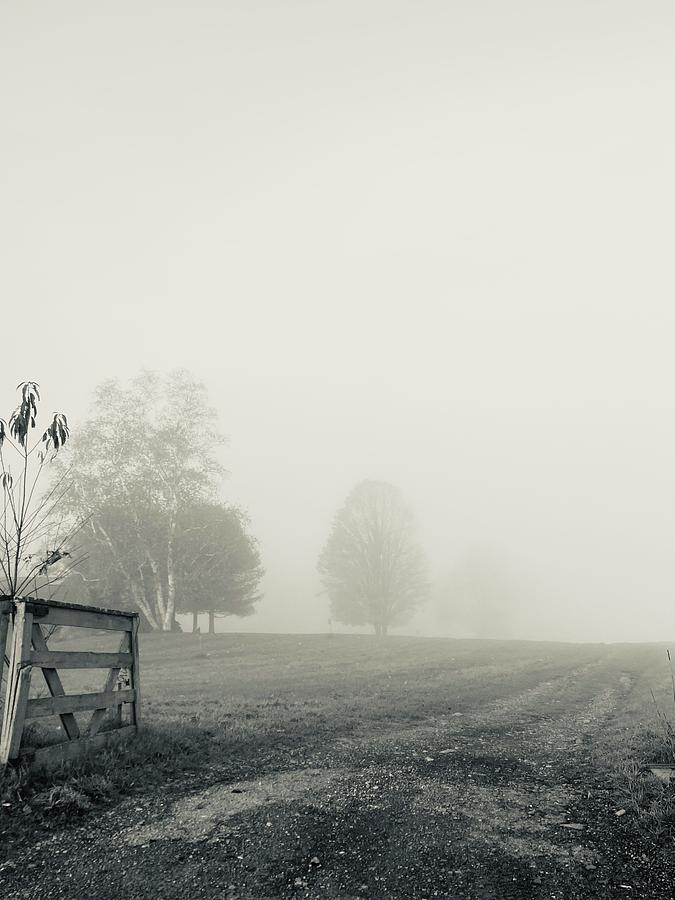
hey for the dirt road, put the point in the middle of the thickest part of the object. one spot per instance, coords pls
(506, 801)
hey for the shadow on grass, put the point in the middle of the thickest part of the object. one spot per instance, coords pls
(157, 753)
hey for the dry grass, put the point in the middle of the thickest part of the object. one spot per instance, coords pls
(642, 734)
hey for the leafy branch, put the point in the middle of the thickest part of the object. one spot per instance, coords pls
(25, 516)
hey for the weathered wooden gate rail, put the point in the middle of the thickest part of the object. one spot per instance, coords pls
(22, 620)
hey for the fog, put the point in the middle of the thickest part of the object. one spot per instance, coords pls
(427, 243)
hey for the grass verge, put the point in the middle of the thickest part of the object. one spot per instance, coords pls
(77, 787)
(642, 737)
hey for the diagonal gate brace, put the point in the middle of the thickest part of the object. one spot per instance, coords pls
(68, 720)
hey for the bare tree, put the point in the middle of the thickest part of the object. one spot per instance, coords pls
(33, 537)
(372, 569)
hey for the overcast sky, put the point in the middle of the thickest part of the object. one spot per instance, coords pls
(425, 242)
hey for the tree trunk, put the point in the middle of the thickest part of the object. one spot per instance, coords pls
(158, 592)
(170, 612)
(212, 622)
(138, 598)
(195, 622)
(136, 589)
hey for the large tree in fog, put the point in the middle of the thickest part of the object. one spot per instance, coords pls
(218, 568)
(372, 568)
(146, 455)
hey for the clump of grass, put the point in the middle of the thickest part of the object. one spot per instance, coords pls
(12, 782)
(65, 796)
(79, 786)
(666, 727)
(651, 799)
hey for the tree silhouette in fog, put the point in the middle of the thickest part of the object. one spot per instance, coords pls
(372, 568)
(218, 568)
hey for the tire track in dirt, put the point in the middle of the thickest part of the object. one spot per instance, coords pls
(512, 803)
(508, 780)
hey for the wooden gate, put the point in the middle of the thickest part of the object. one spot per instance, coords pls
(24, 642)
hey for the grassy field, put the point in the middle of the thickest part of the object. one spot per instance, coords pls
(249, 693)
(243, 709)
(227, 697)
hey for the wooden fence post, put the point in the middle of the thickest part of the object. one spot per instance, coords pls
(136, 673)
(5, 610)
(18, 684)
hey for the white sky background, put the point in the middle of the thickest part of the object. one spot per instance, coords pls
(427, 242)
